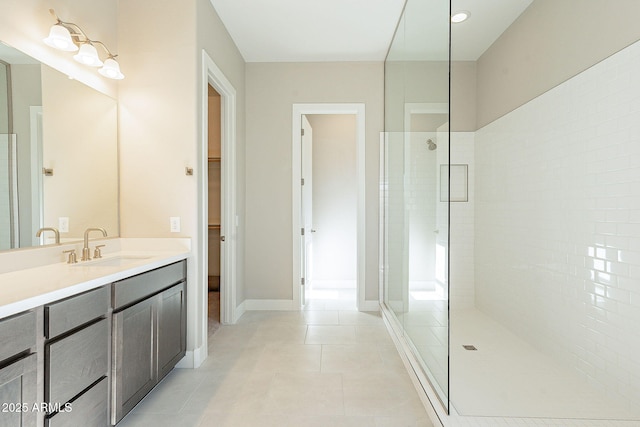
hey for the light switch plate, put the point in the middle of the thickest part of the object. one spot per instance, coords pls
(174, 224)
(63, 224)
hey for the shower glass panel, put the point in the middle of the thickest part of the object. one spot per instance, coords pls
(416, 207)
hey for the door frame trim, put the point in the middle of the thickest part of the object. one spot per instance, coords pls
(357, 109)
(212, 75)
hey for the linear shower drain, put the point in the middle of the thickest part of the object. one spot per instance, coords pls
(469, 347)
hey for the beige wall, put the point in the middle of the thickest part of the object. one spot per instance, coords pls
(463, 96)
(272, 89)
(158, 132)
(550, 42)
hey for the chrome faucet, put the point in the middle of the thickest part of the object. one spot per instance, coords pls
(55, 231)
(86, 253)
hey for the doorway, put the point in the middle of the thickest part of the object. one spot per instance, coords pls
(214, 197)
(329, 210)
(328, 205)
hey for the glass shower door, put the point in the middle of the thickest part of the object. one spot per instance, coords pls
(415, 187)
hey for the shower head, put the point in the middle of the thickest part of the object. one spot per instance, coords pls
(432, 145)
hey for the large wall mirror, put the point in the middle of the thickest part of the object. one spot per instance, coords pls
(58, 154)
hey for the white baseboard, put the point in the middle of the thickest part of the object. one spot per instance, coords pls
(199, 355)
(239, 311)
(270, 304)
(193, 358)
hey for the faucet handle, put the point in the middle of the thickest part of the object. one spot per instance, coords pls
(72, 256)
(97, 253)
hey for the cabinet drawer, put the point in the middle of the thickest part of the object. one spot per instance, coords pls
(17, 334)
(87, 410)
(64, 315)
(138, 287)
(75, 362)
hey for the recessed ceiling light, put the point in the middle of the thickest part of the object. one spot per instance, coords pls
(461, 16)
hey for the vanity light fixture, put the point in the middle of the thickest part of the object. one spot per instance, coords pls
(69, 37)
(459, 17)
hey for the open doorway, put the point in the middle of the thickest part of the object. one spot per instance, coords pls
(329, 210)
(214, 197)
(321, 271)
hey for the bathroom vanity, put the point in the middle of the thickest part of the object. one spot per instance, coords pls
(83, 343)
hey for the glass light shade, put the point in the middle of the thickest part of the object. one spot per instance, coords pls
(88, 55)
(111, 69)
(60, 38)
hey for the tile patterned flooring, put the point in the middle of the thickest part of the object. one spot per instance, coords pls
(326, 366)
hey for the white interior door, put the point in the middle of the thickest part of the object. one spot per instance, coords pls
(307, 207)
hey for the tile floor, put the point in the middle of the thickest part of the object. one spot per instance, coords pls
(326, 366)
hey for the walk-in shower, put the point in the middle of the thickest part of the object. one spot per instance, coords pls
(510, 220)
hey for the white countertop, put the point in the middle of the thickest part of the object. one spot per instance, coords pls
(32, 287)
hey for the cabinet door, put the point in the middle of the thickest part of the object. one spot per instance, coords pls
(172, 318)
(134, 359)
(18, 393)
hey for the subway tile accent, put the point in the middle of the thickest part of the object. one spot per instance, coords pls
(557, 223)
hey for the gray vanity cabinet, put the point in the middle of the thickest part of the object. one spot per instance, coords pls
(18, 370)
(149, 333)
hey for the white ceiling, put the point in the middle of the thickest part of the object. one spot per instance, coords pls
(310, 30)
(358, 30)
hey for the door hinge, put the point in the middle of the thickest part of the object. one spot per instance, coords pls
(302, 181)
(301, 132)
(302, 231)
(302, 281)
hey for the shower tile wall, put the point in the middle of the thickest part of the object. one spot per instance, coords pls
(558, 222)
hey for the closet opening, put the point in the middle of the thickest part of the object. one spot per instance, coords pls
(214, 227)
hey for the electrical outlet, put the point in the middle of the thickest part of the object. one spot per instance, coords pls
(174, 224)
(63, 224)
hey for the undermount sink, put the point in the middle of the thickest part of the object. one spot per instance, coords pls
(115, 261)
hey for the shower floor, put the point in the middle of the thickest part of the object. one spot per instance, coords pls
(506, 377)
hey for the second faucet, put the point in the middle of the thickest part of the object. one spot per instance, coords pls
(86, 253)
